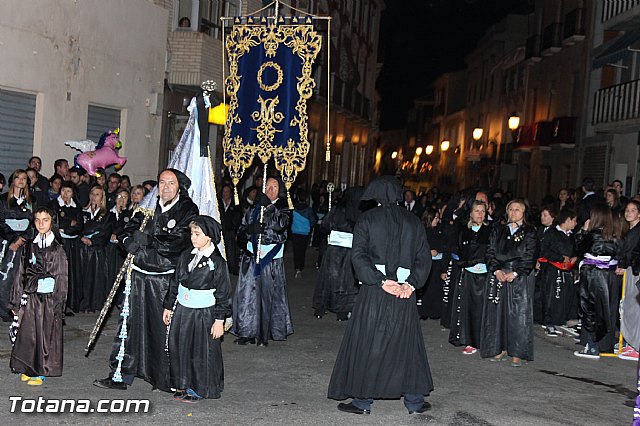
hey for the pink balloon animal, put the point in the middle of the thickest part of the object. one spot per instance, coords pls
(97, 157)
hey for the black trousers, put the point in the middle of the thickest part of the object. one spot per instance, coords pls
(300, 244)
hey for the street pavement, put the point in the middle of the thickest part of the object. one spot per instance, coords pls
(286, 382)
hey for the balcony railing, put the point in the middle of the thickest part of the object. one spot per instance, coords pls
(613, 8)
(617, 103)
(574, 27)
(552, 39)
(532, 50)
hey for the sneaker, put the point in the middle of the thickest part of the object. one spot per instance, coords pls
(551, 332)
(298, 273)
(469, 350)
(588, 352)
(24, 378)
(629, 353)
(544, 327)
(36, 381)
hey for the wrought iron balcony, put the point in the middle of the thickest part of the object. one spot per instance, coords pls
(613, 8)
(617, 104)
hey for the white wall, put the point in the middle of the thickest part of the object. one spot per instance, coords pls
(107, 53)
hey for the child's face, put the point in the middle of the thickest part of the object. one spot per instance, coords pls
(198, 238)
(43, 222)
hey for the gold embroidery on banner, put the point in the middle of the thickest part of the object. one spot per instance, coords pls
(274, 86)
(305, 42)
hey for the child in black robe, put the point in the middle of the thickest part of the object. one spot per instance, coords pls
(196, 306)
(38, 300)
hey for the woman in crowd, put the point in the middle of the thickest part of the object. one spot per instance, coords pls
(564, 200)
(68, 220)
(613, 201)
(557, 258)
(429, 298)
(120, 217)
(507, 321)
(596, 241)
(16, 213)
(469, 293)
(97, 229)
(336, 287)
(137, 194)
(55, 183)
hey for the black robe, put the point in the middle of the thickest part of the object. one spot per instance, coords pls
(382, 354)
(69, 222)
(558, 292)
(37, 350)
(8, 235)
(195, 358)
(337, 286)
(94, 269)
(430, 297)
(598, 289)
(115, 254)
(469, 294)
(261, 303)
(538, 317)
(141, 333)
(452, 228)
(231, 219)
(507, 319)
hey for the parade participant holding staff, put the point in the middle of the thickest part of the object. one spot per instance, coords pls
(195, 308)
(138, 348)
(38, 300)
(382, 354)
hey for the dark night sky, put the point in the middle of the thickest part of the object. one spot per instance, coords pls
(421, 39)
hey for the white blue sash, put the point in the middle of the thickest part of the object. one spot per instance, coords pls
(195, 299)
(402, 273)
(478, 268)
(46, 285)
(265, 249)
(437, 257)
(136, 268)
(340, 239)
(17, 225)
(63, 235)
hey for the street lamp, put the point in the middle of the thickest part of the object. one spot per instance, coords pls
(477, 133)
(444, 145)
(429, 149)
(394, 155)
(514, 122)
(419, 150)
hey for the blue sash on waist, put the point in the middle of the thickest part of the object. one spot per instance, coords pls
(340, 239)
(478, 268)
(454, 256)
(401, 273)
(196, 299)
(63, 235)
(17, 225)
(437, 257)
(266, 248)
(136, 268)
(46, 285)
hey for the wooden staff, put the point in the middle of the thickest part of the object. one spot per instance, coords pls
(148, 214)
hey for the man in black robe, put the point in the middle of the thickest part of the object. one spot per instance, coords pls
(260, 303)
(138, 348)
(382, 355)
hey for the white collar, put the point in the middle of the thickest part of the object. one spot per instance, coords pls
(587, 194)
(62, 204)
(568, 232)
(206, 252)
(44, 242)
(91, 213)
(168, 207)
(19, 200)
(411, 204)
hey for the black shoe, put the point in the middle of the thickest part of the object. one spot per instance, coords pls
(110, 384)
(244, 340)
(69, 313)
(318, 313)
(425, 407)
(350, 408)
(261, 343)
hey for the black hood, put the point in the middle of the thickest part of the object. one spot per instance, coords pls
(385, 190)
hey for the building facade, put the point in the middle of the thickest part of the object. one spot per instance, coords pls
(72, 71)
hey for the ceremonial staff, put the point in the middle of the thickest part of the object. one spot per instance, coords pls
(148, 214)
(330, 188)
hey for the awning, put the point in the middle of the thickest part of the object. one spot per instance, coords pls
(617, 50)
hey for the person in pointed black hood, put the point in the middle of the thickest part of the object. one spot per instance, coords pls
(139, 345)
(382, 354)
